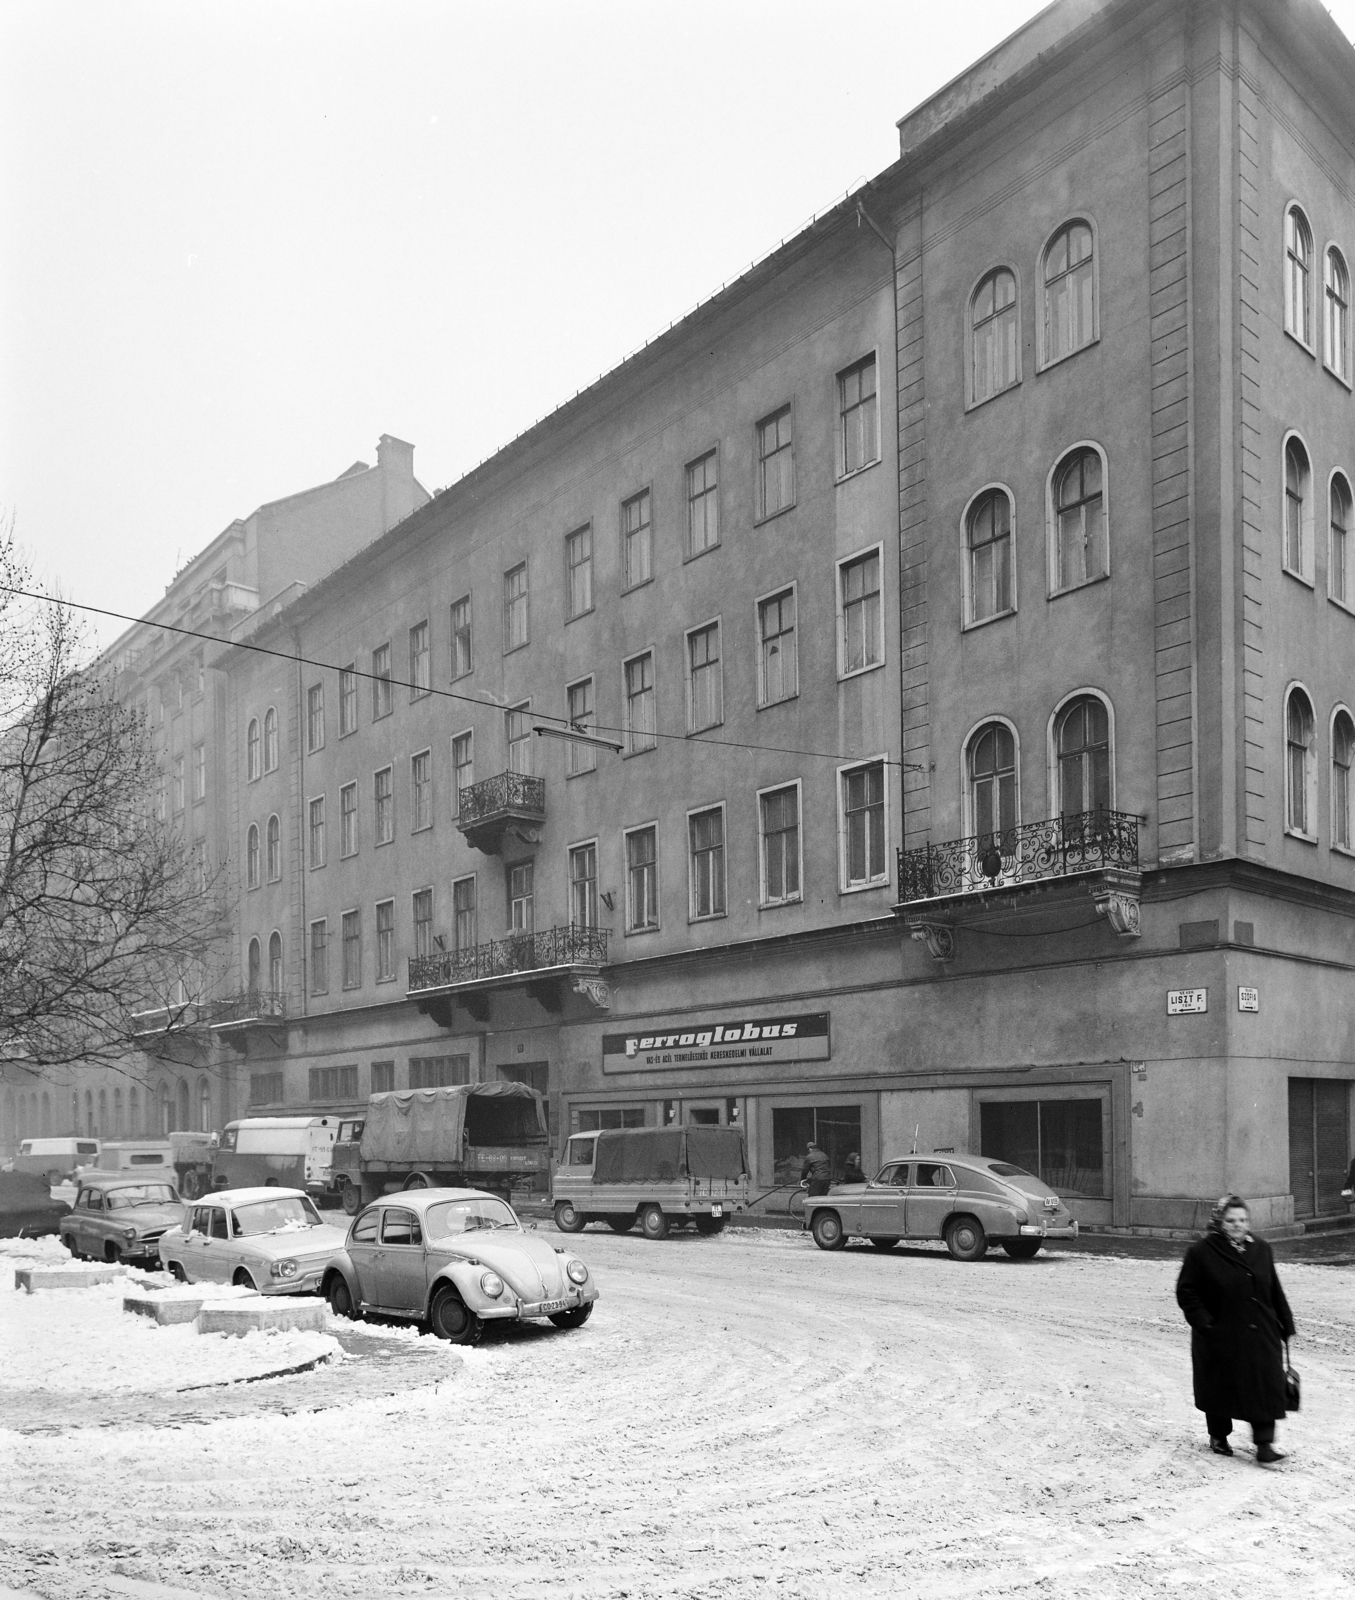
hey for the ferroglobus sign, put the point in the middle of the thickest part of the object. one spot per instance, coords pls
(800, 1036)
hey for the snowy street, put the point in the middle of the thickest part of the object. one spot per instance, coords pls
(743, 1416)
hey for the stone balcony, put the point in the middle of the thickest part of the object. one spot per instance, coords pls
(511, 805)
(547, 965)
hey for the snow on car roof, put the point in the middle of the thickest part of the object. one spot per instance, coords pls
(243, 1197)
(109, 1180)
(425, 1197)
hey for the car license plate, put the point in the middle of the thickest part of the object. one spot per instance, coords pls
(717, 1211)
(550, 1307)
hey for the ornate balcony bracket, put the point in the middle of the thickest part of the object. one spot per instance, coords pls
(597, 992)
(939, 939)
(509, 806)
(1121, 911)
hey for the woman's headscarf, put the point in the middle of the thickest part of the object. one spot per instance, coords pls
(1227, 1202)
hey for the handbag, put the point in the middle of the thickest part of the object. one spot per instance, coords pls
(1291, 1383)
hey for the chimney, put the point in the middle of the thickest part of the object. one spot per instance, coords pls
(395, 455)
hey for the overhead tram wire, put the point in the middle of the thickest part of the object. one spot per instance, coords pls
(450, 694)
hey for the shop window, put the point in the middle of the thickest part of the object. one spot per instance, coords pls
(1060, 1141)
(438, 1072)
(610, 1117)
(835, 1129)
(383, 1077)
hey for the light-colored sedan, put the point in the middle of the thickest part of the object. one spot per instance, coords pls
(971, 1202)
(456, 1259)
(121, 1216)
(268, 1239)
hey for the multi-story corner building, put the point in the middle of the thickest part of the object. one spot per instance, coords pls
(1001, 516)
(256, 563)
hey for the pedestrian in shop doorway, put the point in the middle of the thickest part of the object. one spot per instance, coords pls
(1239, 1320)
(817, 1172)
(853, 1171)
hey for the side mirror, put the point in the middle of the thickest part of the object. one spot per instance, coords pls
(531, 1227)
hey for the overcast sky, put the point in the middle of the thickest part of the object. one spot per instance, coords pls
(239, 241)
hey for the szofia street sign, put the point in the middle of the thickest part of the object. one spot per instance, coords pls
(1187, 1002)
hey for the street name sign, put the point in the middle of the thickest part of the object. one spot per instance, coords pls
(1187, 1002)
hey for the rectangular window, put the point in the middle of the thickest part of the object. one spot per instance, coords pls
(423, 922)
(381, 682)
(352, 949)
(705, 683)
(521, 897)
(178, 783)
(779, 819)
(383, 1077)
(420, 662)
(835, 1129)
(463, 914)
(317, 831)
(334, 1083)
(776, 463)
(517, 727)
(385, 941)
(319, 957)
(463, 767)
(579, 572)
(265, 1089)
(515, 608)
(583, 885)
(862, 641)
(642, 880)
(579, 696)
(348, 820)
(703, 503)
(383, 796)
(348, 701)
(611, 1117)
(778, 656)
(641, 723)
(421, 789)
(858, 435)
(315, 717)
(637, 554)
(706, 837)
(463, 661)
(863, 825)
(438, 1072)
(199, 772)
(1060, 1141)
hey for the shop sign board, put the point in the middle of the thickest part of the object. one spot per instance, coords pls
(1187, 1002)
(719, 1042)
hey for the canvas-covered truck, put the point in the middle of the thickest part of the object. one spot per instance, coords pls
(472, 1136)
(660, 1177)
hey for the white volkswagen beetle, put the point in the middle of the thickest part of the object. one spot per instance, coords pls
(268, 1239)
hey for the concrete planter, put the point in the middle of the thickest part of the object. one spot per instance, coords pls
(278, 1311)
(165, 1310)
(33, 1279)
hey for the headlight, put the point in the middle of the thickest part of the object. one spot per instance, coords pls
(282, 1269)
(577, 1272)
(492, 1284)
(129, 1233)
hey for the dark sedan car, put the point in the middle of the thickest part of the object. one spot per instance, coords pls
(27, 1208)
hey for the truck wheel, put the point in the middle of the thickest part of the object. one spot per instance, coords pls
(575, 1318)
(189, 1186)
(418, 1180)
(827, 1230)
(450, 1319)
(709, 1225)
(653, 1223)
(965, 1239)
(351, 1199)
(620, 1224)
(567, 1218)
(1022, 1249)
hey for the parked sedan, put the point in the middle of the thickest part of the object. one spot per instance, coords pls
(456, 1259)
(267, 1239)
(971, 1202)
(27, 1208)
(120, 1216)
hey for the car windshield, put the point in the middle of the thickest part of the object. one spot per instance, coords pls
(1019, 1178)
(141, 1194)
(287, 1214)
(464, 1216)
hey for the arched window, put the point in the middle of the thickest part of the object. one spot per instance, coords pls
(1342, 759)
(103, 1113)
(133, 1112)
(1081, 542)
(270, 739)
(1297, 508)
(274, 848)
(253, 763)
(183, 1119)
(165, 1110)
(1298, 267)
(91, 1131)
(252, 856)
(991, 763)
(994, 336)
(1299, 773)
(1337, 320)
(204, 1106)
(1338, 555)
(1082, 749)
(46, 1114)
(988, 544)
(1069, 291)
(252, 971)
(119, 1125)
(275, 965)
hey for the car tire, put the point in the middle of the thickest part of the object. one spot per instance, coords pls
(68, 1239)
(653, 1223)
(828, 1231)
(340, 1299)
(177, 1272)
(450, 1318)
(574, 1318)
(620, 1224)
(242, 1280)
(965, 1238)
(1022, 1249)
(351, 1199)
(882, 1243)
(709, 1225)
(112, 1255)
(189, 1185)
(568, 1218)
(418, 1180)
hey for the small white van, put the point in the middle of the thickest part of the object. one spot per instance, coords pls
(289, 1152)
(56, 1159)
(137, 1155)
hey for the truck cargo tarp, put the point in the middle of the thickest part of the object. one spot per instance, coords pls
(419, 1127)
(659, 1155)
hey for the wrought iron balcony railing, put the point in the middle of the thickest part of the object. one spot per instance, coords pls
(1058, 847)
(501, 958)
(509, 792)
(253, 1005)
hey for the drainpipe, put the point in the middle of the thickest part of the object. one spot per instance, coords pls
(301, 818)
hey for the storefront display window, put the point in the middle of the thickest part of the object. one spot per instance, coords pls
(610, 1117)
(1061, 1141)
(835, 1129)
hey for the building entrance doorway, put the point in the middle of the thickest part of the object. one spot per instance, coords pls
(1319, 1144)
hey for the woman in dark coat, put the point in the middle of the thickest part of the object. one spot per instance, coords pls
(1238, 1318)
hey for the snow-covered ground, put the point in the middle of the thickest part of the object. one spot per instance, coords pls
(743, 1416)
